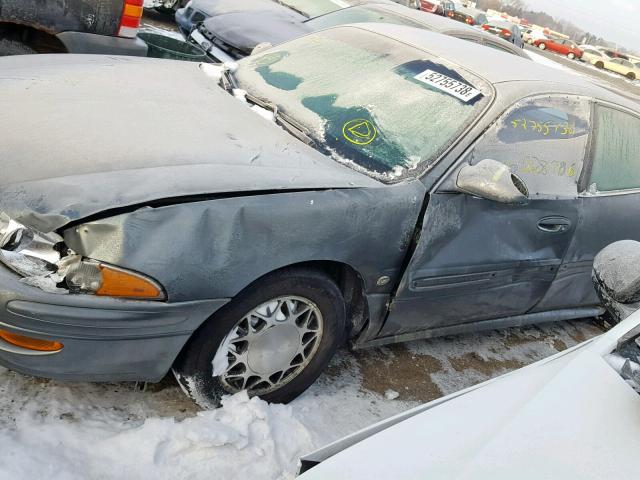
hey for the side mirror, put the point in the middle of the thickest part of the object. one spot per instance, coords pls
(616, 271)
(261, 47)
(492, 180)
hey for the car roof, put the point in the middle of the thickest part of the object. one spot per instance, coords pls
(444, 25)
(492, 65)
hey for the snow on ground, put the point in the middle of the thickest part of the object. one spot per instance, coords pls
(69, 431)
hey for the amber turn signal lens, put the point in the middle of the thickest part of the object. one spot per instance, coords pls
(30, 343)
(121, 283)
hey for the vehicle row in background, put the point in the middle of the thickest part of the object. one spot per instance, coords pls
(228, 38)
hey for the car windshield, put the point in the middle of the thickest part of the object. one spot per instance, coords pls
(359, 15)
(371, 102)
(313, 8)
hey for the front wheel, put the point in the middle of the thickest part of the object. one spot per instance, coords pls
(631, 76)
(571, 56)
(542, 46)
(273, 340)
(599, 64)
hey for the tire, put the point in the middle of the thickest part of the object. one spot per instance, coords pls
(530, 42)
(599, 65)
(14, 47)
(542, 46)
(194, 367)
(571, 56)
(631, 76)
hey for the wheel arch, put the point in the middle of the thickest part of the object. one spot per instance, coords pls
(349, 281)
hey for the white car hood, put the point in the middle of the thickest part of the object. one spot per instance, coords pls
(568, 417)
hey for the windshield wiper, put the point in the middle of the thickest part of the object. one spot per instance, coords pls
(290, 124)
(227, 81)
(297, 10)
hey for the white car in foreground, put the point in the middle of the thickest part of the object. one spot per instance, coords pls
(575, 415)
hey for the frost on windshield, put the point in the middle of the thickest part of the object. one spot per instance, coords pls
(358, 95)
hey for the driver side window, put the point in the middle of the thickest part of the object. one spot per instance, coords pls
(543, 140)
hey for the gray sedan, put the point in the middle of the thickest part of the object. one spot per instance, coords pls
(367, 184)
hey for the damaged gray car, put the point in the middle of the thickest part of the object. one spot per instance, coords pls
(365, 184)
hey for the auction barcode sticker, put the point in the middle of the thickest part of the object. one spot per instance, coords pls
(453, 87)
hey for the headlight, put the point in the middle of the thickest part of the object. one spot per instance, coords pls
(44, 261)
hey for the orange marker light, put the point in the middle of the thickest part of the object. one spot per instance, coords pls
(30, 343)
(119, 283)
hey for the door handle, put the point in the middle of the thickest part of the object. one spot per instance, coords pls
(554, 224)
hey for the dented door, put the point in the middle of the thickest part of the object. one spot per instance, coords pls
(478, 259)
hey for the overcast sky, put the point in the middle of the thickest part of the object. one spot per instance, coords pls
(615, 20)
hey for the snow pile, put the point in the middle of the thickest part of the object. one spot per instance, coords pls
(246, 438)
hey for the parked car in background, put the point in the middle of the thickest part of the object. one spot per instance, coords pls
(225, 41)
(73, 26)
(621, 66)
(530, 35)
(415, 4)
(454, 193)
(505, 30)
(561, 46)
(165, 6)
(258, 16)
(594, 56)
(570, 416)
(470, 16)
(438, 7)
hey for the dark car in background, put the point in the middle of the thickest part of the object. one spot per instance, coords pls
(71, 26)
(470, 16)
(258, 14)
(505, 30)
(439, 7)
(225, 40)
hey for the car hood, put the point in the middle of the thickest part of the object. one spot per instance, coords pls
(245, 30)
(93, 133)
(568, 417)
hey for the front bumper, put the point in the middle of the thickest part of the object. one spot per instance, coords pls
(81, 42)
(104, 339)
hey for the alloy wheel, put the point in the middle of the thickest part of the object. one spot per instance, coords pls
(270, 345)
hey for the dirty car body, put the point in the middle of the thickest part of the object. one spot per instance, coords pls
(289, 165)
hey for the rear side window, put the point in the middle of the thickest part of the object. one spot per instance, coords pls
(616, 152)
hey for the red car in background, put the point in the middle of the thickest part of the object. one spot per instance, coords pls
(437, 7)
(561, 46)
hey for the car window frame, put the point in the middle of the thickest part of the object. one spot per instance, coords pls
(445, 178)
(587, 167)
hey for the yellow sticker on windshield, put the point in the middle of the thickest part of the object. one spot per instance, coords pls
(359, 131)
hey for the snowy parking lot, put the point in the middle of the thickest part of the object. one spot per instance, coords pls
(115, 431)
